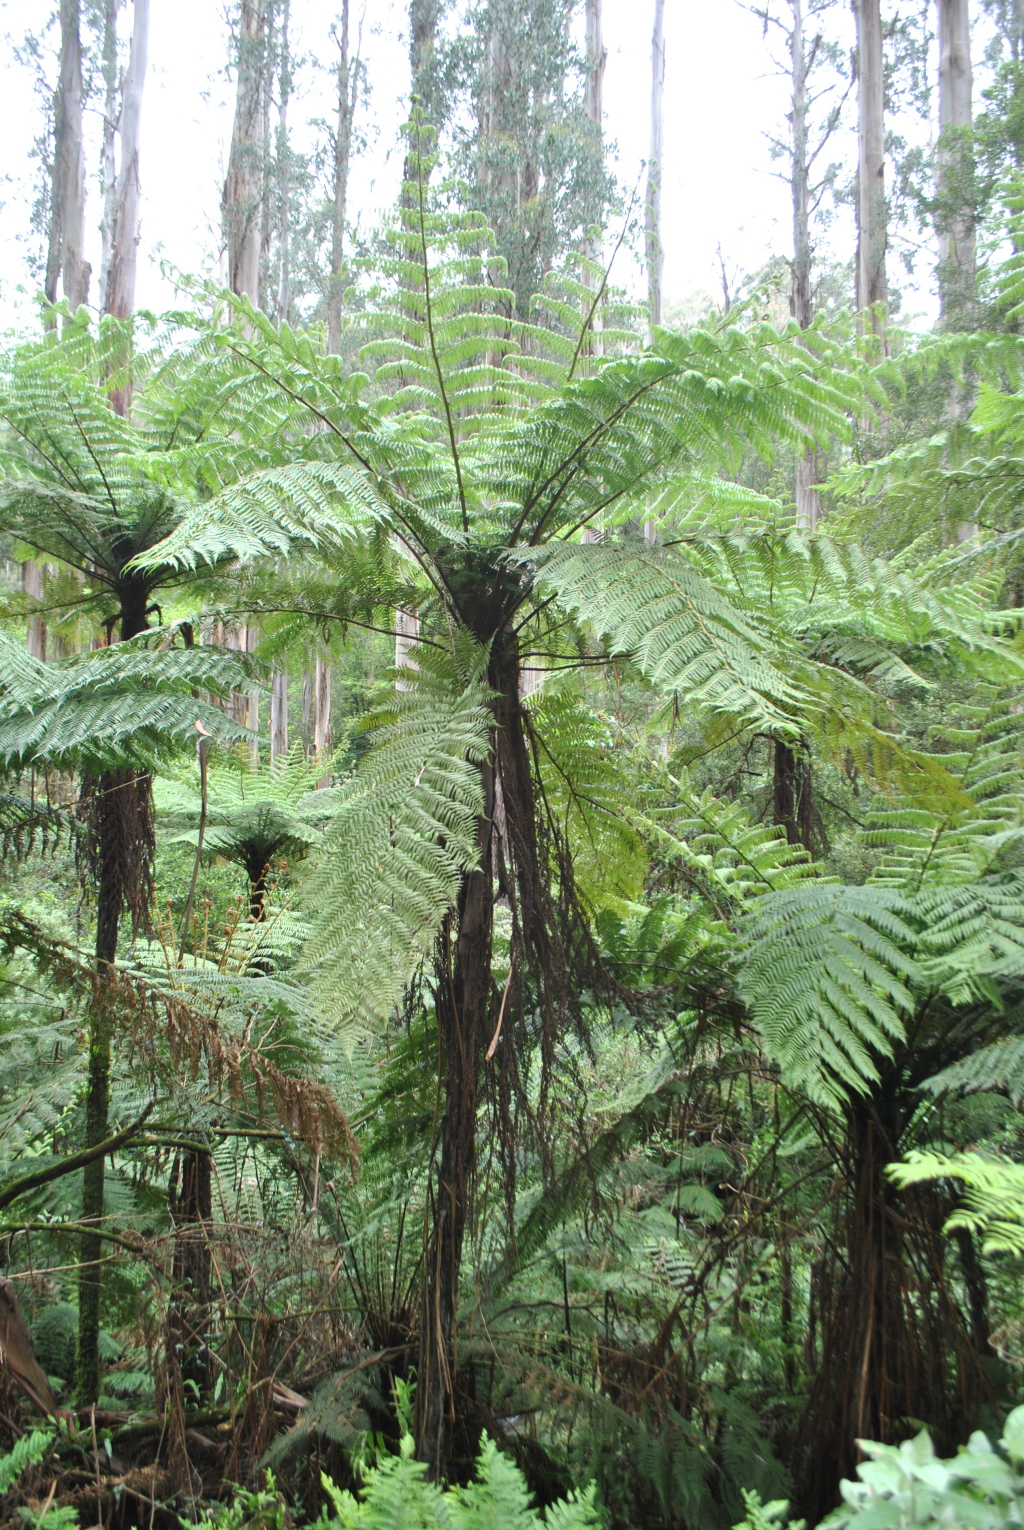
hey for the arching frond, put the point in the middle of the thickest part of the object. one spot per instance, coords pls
(399, 837)
(825, 974)
(128, 703)
(586, 790)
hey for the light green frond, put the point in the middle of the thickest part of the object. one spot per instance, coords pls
(127, 703)
(736, 861)
(688, 637)
(588, 792)
(993, 1194)
(399, 838)
(826, 973)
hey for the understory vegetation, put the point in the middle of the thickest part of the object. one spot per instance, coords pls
(574, 1074)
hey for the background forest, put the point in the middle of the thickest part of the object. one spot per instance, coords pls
(512, 801)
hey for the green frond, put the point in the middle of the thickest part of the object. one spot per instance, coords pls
(826, 973)
(124, 704)
(735, 861)
(398, 839)
(992, 1206)
(586, 790)
(687, 636)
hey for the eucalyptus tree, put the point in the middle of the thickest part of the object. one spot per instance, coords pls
(75, 492)
(533, 159)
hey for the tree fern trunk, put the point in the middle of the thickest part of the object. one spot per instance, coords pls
(121, 824)
(792, 802)
(894, 1342)
(463, 1007)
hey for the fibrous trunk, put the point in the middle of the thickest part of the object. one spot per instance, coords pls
(462, 997)
(792, 800)
(120, 810)
(123, 837)
(894, 1343)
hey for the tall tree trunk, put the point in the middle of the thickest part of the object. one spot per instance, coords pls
(792, 801)
(242, 204)
(278, 715)
(108, 157)
(284, 171)
(597, 58)
(654, 252)
(954, 166)
(322, 715)
(307, 712)
(119, 299)
(32, 584)
(801, 301)
(342, 158)
(462, 1003)
(872, 284)
(66, 261)
(121, 818)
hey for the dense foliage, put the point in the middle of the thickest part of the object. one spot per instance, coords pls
(578, 1079)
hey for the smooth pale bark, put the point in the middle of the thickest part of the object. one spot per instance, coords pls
(284, 172)
(307, 712)
(119, 299)
(251, 716)
(655, 255)
(407, 635)
(872, 283)
(243, 198)
(108, 158)
(808, 502)
(32, 584)
(954, 165)
(653, 251)
(66, 261)
(322, 715)
(597, 57)
(278, 714)
(342, 158)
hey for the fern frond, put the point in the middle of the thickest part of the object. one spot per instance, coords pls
(826, 973)
(398, 839)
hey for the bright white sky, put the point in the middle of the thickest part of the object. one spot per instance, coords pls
(719, 187)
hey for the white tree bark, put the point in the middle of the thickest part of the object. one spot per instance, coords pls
(653, 247)
(32, 584)
(278, 715)
(120, 294)
(284, 188)
(597, 57)
(407, 635)
(108, 158)
(322, 716)
(653, 250)
(872, 284)
(66, 261)
(243, 198)
(808, 503)
(954, 165)
(342, 158)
